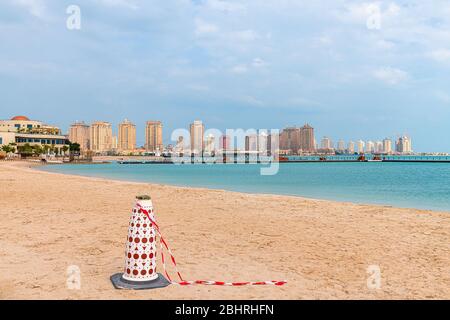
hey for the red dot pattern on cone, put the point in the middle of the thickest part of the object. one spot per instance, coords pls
(140, 253)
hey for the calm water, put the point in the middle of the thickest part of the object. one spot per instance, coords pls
(411, 185)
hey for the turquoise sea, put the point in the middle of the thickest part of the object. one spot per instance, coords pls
(409, 185)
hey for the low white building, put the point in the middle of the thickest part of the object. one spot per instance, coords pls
(21, 131)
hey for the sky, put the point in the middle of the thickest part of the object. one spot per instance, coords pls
(352, 69)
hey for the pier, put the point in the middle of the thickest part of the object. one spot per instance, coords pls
(252, 159)
(368, 158)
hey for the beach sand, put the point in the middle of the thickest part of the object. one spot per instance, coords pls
(50, 221)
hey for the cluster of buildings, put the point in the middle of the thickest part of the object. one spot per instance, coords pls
(197, 141)
(401, 146)
(299, 141)
(98, 139)
(295, 140)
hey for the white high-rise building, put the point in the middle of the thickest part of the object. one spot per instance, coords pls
(361, 145)
(370, 147)
(101, 137)
(180, 145)
(197, 130)
(251, 142)
(387, 146)
(263, 141)
(341, 145)
(379, 147)
(351, 147)
(326, 143)
(408, 144)
(403, 145)
(210, 146)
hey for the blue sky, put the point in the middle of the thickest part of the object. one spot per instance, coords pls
(233, 64)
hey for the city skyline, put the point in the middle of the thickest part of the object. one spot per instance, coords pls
(140, 126)
(99, 137)
(166, 135)
(239, 150)
(293, 138)
(221, 62)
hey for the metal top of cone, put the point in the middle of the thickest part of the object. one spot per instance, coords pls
(143, 197)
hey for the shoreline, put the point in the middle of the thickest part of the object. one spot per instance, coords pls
(323, 248)
(362, 203)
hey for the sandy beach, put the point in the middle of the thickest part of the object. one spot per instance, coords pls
(50, 221)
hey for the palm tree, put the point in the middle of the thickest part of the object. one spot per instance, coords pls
(74, 150)
(25, 150)
(45, 148)
(37, 150)
(6, 149)
(12, 148)
(65, 149)
(74, 147)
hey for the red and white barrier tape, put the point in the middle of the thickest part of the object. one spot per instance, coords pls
(163, 244)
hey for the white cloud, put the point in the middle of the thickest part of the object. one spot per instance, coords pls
(324, 40)
(120, 3)
(362, 12)
(302, 102)
(35, 7)
(203, 28)
(384, 44)
(393, 10)
(198, 87)
(250, 100)
(244, 35)
(239, 69)
(258, 63)
(225, 6)
(442, 96)
(390, 75)
(440, 55)
(244, 68)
